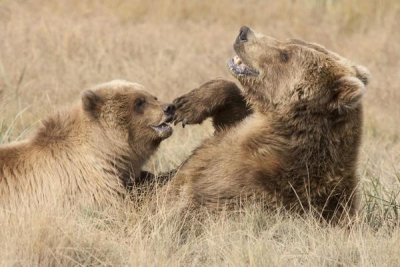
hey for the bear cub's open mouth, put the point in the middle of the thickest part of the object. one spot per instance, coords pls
(164, 129)
(237, 66)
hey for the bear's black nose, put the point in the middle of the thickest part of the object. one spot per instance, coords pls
(244, 30)
(169, 109)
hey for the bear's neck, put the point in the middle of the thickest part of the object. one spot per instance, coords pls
(142, 149)
(320, 141)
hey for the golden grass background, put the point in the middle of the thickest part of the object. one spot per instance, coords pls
(52, 50)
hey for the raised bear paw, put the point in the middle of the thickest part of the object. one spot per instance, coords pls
(191, 108)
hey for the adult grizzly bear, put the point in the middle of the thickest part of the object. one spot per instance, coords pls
(90, 151)
(295, 144)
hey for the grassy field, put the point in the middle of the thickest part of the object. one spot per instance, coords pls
(52, 50)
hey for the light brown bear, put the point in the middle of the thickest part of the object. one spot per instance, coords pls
(289, 139)
(91, 151)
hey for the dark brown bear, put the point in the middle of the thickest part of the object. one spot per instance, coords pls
(294, 145)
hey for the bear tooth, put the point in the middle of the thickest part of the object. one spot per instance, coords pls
(237, 60)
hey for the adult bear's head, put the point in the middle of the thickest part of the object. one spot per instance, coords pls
(295, 73)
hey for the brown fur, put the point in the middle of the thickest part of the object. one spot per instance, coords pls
(298, 149)
(89, 151)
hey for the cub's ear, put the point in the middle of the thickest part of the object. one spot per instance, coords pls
(91, 102)
(348, 92)
(363, 74)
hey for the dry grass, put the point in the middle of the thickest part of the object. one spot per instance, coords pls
(51, 50)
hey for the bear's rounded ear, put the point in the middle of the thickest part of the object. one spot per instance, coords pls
(363, 74)
(91, 102)
(348, 92)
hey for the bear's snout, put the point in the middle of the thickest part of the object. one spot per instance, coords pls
(169, 110)
(243, 34)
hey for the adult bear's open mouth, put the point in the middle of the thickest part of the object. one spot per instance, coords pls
(238, 68)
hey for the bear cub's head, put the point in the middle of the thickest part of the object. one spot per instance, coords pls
(125, 108)
(277, 73)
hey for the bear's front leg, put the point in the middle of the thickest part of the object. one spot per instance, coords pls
(219, 99)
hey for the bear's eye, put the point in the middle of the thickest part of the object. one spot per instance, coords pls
(139, 104)
(284, 55)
